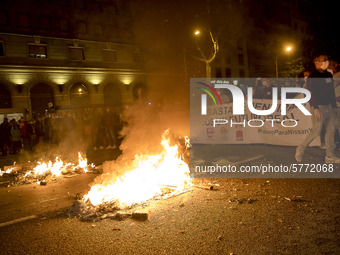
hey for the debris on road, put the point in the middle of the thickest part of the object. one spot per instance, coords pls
(206, 187)
(139, 216)
(242, 200)
(87, 212)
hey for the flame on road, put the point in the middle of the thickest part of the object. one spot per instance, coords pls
(55, 168)
(59, 166)
(150, 175)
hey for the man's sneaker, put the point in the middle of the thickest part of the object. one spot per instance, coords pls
(298, 154)
(332, 159)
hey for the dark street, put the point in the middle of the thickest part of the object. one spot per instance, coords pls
(239, 216)
(169, 127)
(253, 216)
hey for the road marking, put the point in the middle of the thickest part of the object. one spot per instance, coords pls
(48, 200)
(17, 220)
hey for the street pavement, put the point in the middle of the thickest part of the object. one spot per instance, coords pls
(239, 216)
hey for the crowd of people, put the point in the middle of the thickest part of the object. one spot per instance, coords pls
(96, 128)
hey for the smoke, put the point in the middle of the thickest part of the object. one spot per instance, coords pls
(143, 127)
(54, 136)
(141, 135)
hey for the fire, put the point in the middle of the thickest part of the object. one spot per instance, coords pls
(50, 170)
(82, 162)
(55, 168)
(59, 166)
(150, 175)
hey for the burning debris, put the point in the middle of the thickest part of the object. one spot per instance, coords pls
(147, 177)
(86, 212)
(43, 172)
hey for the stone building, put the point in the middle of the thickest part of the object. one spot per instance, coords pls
(256, 49)
(61, 54)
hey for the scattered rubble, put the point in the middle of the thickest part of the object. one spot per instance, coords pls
(85, 211)
(206, 187)
(139, 216)
(242, 200)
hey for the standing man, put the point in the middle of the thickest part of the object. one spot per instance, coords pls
(5, 137)
(322, 102)
(334, 69)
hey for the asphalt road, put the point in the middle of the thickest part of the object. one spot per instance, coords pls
(240, 216)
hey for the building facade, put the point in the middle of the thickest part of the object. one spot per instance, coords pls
(62, 54)
(256, 49)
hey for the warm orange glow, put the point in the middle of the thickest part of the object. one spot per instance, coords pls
(149, 175)
(55, 168)
(82, 162)
(197, 32)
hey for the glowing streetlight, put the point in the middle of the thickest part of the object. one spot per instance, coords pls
(287, 49)
(207, 59)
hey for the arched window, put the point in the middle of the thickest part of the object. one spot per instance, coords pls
(42, 98)
(5, 97)
(79, 95)
(112, 95)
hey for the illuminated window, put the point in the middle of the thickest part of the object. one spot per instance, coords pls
(37, 51)
(76, 53)
(79, 95)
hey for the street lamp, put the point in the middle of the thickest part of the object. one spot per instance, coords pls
(288, 49)
(204, 58)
